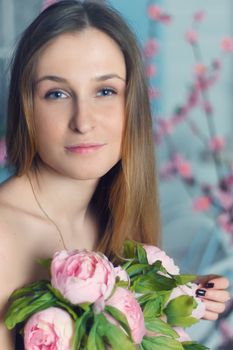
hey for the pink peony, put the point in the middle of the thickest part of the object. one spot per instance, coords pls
(50, 329)
(155, 254)
(82, 276)
(197, 313)
(123, 300)
(121, 273)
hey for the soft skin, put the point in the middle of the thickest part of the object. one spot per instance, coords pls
(85, 105)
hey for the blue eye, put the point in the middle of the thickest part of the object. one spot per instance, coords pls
(55, 95)
(106, 92)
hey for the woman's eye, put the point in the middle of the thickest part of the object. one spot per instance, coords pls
(106, 92)
(56, 95)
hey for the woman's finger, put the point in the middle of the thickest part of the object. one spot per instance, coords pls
(215, 307)
(210, 316)
(221, 296)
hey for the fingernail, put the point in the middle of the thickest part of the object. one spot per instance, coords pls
(209, 285)
(200, 292)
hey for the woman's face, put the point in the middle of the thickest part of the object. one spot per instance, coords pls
(79, 104)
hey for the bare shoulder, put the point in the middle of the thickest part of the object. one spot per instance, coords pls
(8, 281)
(12, 272)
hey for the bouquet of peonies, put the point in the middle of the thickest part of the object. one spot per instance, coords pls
(144, 303)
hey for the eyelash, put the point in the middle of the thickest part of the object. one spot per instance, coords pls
(107, 92)
(50, 93)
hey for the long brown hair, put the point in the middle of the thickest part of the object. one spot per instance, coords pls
(126, 199)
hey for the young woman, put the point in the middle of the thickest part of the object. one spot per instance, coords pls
(79, 137)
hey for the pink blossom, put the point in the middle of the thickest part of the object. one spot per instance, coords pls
(227, 44)
(202, 203)
(155, 254)
(200, 69)
(199, 16)
(225, 221)
(183, 167)
(154, 12)
(193, 98)
(151, 48)
(166, 126)
(50, 329)
(151, 70)
(199, 311)
(124, 300)
(217, 143)
(167, 170)
(183, 336)
(2, 152)
(165, 18)
(191, 36)
(82, 276)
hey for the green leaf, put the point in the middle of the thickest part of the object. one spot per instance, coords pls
(24, 307)
(126, 265)
(99, 342)
(91, 341)
(118, 316)
(68, 308)
(161, 343)
(153, 308)
(152, 283)
(160, 327)
(141, 254)
(122, 284)
(45, 262)
(136, 269)
(30, 289)
(80, 329)
(58, 294)
(179, 311)
(129, 249)
(163, 295)
(192, 345)
(114, 335)
(184, 279)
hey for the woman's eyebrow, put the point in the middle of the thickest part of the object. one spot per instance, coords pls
(63, 80)
(52, 78)
(108, 76)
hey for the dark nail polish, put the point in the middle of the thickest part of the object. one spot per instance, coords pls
(200, 292)
(209, 285)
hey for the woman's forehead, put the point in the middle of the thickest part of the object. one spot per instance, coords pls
(90, 51)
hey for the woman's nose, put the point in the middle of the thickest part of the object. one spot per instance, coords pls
(82, 120)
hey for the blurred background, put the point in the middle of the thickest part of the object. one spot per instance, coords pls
(187, 48)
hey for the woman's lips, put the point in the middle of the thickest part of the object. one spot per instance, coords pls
(84, 148)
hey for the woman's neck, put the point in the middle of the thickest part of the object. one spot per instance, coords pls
(63, 199)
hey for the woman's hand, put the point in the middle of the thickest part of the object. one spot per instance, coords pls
(212, 290)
